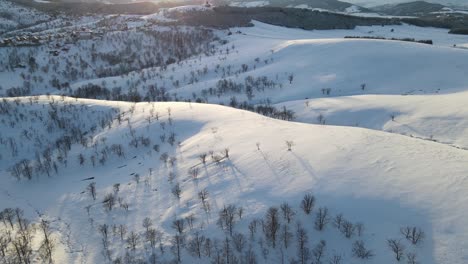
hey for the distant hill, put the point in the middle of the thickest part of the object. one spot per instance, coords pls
(332, 5)
(410, 9)
(373, 3)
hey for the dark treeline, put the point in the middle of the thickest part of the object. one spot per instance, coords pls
(423, 41)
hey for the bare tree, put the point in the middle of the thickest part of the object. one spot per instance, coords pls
(321, 219)
(203, 196)
(290, 78)
(226, 220)
(147, 223)
(207, 247)
(272, 225)
(239, 241)
(109, 201)
(122, 230)
(308, 203)
(285, 235)
(413, 234)
(303, 251)
(359, 228)
(48, 244)
(132, 240)
(136, 177)
(360, 251)
(347, 228)
(179, 226)
(203, 158)
(288, 212)
(177, 191)
(8, 215)
(116, 188)
(177, 244)
(338, 221)
(195, 245)
(411, 258)
(81, 159)
(227, 252)
(335, 259)
(249, 257)
(318, 252)
(289, 144)
(253, 228)
(92, 190)
(190, 219)
(193, 172)
(397, 248)
(152, 236)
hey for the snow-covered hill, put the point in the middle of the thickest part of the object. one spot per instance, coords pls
(15, 16)
(382, 180)
(260, 52)
(378, 149)
(372, 3)
(440, 118)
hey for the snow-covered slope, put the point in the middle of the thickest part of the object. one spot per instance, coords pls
(386, 181)
(371, 3)
(317, 60)
(441, 118)
(159, 161)
(14, 16)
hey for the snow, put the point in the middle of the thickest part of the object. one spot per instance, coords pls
(382, 179)
(329, 63)
(441, 118)
(18, 15)
(188, 8)
(160, 16)
(388, 154)
(250, 4)
(353, 9)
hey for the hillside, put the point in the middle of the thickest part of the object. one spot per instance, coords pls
(258, 52)
(403, 181)
(373, 3)
(198, 134)
(332, 5)
(439, 118)
(410, 8)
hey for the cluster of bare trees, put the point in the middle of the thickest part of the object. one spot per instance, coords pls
(283, 230)
(414, 235)
(51, 129)
(131, 51)
(16, 238)
(69, 122)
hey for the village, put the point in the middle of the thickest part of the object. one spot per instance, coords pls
(60, 41)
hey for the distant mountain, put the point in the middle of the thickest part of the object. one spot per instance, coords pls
(416, 8)
(332, 5)
(373, 3)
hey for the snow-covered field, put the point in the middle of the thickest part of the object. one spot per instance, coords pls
(379, 136)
